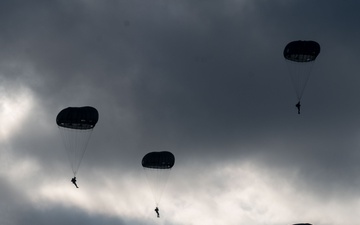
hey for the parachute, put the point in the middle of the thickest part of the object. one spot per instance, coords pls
(157, 166)
(300, 57)
(76, 125)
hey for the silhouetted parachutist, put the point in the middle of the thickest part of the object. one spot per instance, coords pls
(157, 212)
(73, 180)
(298, 105)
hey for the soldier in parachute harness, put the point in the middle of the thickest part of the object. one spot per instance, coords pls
(73, 180)
(157, 212)
(298, 105)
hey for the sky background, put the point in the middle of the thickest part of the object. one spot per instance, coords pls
(204, 79)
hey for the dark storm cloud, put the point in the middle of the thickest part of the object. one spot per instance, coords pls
(194, 74)
(158, 62)
(188, 72)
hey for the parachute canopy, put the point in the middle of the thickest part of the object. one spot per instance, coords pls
(157, 167)
(78, 118)
(76, 125)
(158, 160)
(300, 57)
(302, 51)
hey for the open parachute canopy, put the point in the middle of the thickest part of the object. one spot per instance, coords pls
(157, 167)
(302, 51)
(158, 160)
(300, 57)
(76, 125)
(78, 118)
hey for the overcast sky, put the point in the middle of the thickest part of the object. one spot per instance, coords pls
(204, 79)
